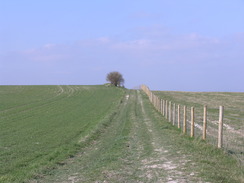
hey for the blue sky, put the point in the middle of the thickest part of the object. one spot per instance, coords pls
(168, 45)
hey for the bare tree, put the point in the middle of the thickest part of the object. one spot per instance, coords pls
(115, 78)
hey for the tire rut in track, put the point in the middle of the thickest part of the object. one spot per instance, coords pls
(146, 157)
(161, 166)
(80, 168)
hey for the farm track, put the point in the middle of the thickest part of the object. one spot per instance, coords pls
(131, 149)
(98, 134)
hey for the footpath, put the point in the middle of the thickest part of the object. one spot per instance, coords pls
(136, 146)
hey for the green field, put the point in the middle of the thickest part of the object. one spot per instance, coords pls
(41, 125)
(53, 134)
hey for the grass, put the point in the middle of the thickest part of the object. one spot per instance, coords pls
(96, 134)
(134, 146)
(213, 164)
(102, 151)
(233, 116)
(43, 125)
(233, 102)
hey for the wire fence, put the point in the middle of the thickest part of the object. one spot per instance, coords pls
(204, 122)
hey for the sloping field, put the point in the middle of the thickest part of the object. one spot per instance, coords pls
(41, 125)
(233, 103)
(67, 134)
(138, 145)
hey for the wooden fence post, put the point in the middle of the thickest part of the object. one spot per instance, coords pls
(170, 112)
(184, 120)
(204, 123)
(166, 110)
(192, 121)
(153, 100)
(163, 107)
(174, 114)
(220, 134)
(158, 104)
(178, 116)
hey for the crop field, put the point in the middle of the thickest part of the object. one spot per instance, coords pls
(41, 125)
(233, 103)
(53, 134)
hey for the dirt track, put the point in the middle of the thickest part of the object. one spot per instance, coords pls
(131, 149)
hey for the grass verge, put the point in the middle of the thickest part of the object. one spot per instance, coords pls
(213, 164)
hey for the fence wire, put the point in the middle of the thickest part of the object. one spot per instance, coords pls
(233, 131)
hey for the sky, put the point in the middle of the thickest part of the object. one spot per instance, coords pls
(171, 45)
